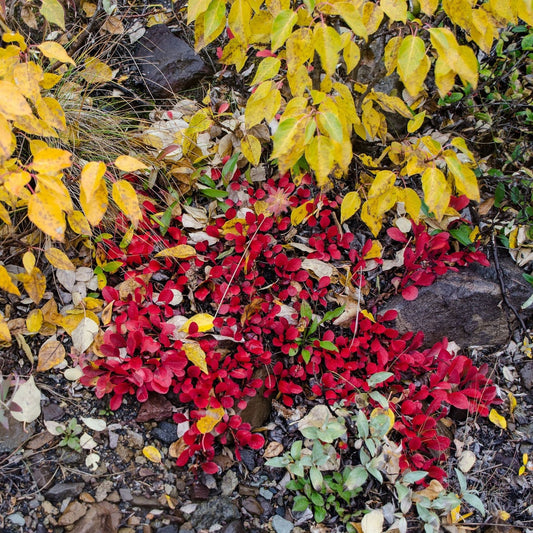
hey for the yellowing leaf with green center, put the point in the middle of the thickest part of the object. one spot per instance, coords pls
(12, 103)
(34, 320)
(464, 177)
(497, 419)
(44, 212)
(444, 41)
(395, 9)
(289, 142)
(59, 259)
(299, 48)
(196, 355)
(27, 77)
(350, 204)
(413, 64)
(353, 16)
(53, 50)
(327, 43)
(417, 121)
(208, 422)
(329, 123)
(51, 160)
(51, 354)
(6, 283)
(96, 71)
(126, 199)
(436, 191)
(300, 213)
(267, 69)
(7, 139)
(152, 453)
(194, 9)
(53, 12)
(319, 153)
(282, 28)
(251, 149)
(34, 284)
(178, 252)
(127, 163)
(214, 20)
(263, 104)
(351, 54)
(204, 321)
(239, 20)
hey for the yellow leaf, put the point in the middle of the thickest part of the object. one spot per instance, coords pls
(4, 215)
(525, 11)
(51, 354)
(391, 104)
(319, 154)
(267, 69)
(299, 81)
(204, 321)
(299, 48)
(375, 251)
(436, 191)
(497, 419)
(196, 355)
(152, 453)
(5, 334)
(59, 259)
(444, 77)
(395, 9)
(208, 422)
(417, 121)
(6, 283)
(459, 11)
(7, 139)
(50, 80)
(379, 411)
(34, 320)
(464, 177)
(289, 143)
(239, 20)
(351, 54)
(211, 23)
(12, 37)
(27, 77)
(353, 16)
(46, 215)
(96, 71)
(372, 17)
(127, 163)
(91, 177)
(327, 43)
(28, 260)
(429, 6)
(468, 66)
(263, 104)
(350, 204)
(196, 8)
(78, 223)
(126, 199)
(51, 112)
(251, 148)
(413, 64)
(178, 252)
(34, 284)
(460, 143)
(411, 202)
(95, 206)
(504, 515)
(390, 54)
(12, 103)
(372, 120)
(15, 182)
(53, 50)
(53, 12)
(512, 402)
(51, 160)
(383, 181)
(300, 213)
(282, 28)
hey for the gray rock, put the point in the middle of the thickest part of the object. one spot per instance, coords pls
(229, 483)
(167, 63)
(167, 529)
(17, 519)
(166, 432)
(526, 373)
(217, 510)
(267, 494)
(125, 495)
(281, 525)
(15, 435)
(64, 490)
(233, 527)
(252, 506)
(464, 306)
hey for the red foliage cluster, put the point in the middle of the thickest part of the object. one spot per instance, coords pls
(254, 283)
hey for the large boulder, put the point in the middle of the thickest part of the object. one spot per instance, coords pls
(166, 63)
(466, 306)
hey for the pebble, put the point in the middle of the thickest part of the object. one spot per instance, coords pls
(125, 495)
(252, 506)
(136, 440)
(166, 432)
(281, 525)
(267, 494)
(229, 483)
(167, 529)
(113, 497)
(233, 527)
(103, 490)
(73, 513)
(64, 490)
(17, 519)
(216, 510)
(113, 439)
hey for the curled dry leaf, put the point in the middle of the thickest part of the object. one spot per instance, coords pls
(51, 353)
(28, 398)
(373, 522)
(96, 424)
(273, 449)
(84, 334)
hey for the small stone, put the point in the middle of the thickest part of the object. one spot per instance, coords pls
(113, 439)
(64, 490)
(113, 497)
(526, 373)
(87, 498)
(217, 510)
(248, 458)
(124, 452)
(252, 506)
(229, 483)
(126, 530)
(133, 521)
(103, 490)
(17, 519)
(267, 494)
(135, 440)
(48, 508)
(233, 527)
(166, 432)
(143, 501)
(281, 525)
(74, 511)
(167, 529)
(125, 495)
(199, 492)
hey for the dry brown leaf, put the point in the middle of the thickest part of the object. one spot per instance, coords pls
(52, 353)
(273, 449)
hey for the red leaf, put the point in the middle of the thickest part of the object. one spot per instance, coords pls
(257, 441)
(410, 293)
(396, 235)
(458, 399)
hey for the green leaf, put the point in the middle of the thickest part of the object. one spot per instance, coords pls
(305, 310)
(378, 397)
(296, 449)
(282, 28)
(475, 502)
(330, 315)
(53, 12)
(327, 345)
(112, 266)
(319, 514)
(330, 123)
(413, 477)
(378, 377)
(356, 478)
(229, 168)
(277, 462)
(317, 481)
(462, 234)
(214, 193)
(301, 503)
(362, 425)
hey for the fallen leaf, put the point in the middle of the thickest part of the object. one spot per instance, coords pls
(126, 199)
(96, 424)
(34, 320)
(84, 334)
(152, 454)
(28, 398)
(127, 163)
(431, 492)
(273, 449)
(196, 355)
(497, 419)
(203, 320)
(51, 353)
(92, 460)
(178, 252)
(373, 521)
(210, 420)
(6, 283)
(466, 461)
(350, 204)
(59, 259)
